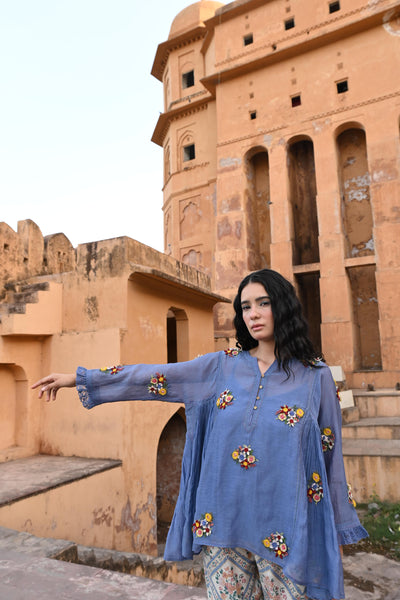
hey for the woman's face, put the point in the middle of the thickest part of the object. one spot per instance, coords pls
(257, 312)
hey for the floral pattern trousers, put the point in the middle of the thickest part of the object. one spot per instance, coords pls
(236, 574)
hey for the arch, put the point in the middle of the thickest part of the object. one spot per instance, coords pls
(177, 335)
(348, 125)
(169, 459)
(354, 183)
(258, 217)
(185, 140)
(13, 406)
(303, 200)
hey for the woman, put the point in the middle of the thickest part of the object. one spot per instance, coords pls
(263, 491)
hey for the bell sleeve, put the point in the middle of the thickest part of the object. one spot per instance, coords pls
(348, 526)
(173, 382)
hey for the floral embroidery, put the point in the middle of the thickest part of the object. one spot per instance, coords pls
(225, 399)
(315, 490)
(350, 495)
(84, 396)
(327, 438)
(290, 415)
(232, 351)
(277, 543)
(158, 384)
(112, 370)
(337, 392)
(203, 526)
(313, 362)
(244, 456)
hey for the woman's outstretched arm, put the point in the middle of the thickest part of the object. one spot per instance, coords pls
(50, 384)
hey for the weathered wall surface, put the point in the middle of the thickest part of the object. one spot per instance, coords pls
(304, 152)
(102, 304)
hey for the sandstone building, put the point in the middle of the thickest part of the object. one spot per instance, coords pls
(102, 304)
(281, 148)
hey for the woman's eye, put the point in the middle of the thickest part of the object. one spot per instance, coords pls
(245, 308)
(265, 303)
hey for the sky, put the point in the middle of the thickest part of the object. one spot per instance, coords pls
(78, 107)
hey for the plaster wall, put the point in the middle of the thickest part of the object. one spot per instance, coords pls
(110, 307)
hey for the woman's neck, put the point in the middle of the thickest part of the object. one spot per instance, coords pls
(264, 354)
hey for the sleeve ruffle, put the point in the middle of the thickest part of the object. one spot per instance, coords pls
(351, 535)
(82, 388)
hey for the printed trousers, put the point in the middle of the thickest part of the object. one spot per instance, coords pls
(236, 574)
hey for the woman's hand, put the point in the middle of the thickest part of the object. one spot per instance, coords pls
(52, 383)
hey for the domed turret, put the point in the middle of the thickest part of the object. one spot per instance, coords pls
(193, 16)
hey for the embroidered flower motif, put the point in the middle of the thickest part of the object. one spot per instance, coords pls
(315, 491)
(112, 370)
(290, 415)
(244, 456)
(277, 543)
(327, 438)
(225, 399)
(232, 351)
(350, 496)
(158, 385)
(312, 362)
(337, 391)
(203, 526)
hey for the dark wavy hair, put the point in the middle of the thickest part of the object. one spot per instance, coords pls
(290, 326)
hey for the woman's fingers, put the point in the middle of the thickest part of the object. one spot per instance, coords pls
(50, 384)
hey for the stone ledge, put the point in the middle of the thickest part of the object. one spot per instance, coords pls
(366, 447)
(34, 475)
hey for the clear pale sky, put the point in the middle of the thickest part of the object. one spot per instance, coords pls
(78, 107)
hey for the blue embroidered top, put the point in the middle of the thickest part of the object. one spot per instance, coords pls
(262, 467)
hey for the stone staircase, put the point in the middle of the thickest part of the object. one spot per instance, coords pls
(18, 295)
(371, 444)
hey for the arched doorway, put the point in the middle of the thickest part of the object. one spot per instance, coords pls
(169, 460)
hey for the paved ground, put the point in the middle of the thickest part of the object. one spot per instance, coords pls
(27, 573)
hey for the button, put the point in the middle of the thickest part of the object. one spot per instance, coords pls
(260, 387)
(258, 397)
(254, 407)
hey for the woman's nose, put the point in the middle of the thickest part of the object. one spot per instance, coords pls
(253, 312)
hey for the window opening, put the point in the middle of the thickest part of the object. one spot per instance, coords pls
(248, 39)
(253, 115)
(289, 23)
(334, 7)
(342, 86)
(296, 100)
(189, 152)
(188, 79)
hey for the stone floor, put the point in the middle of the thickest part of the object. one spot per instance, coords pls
(27, 572)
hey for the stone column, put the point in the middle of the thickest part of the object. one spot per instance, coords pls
(382, 133)
(336, 302)
(281, 227)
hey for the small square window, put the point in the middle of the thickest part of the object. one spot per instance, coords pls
(253, 115)
(187, 79)
(289, 23)
(342, 86)
(296, 100)
(248, 39)
(334, 7)
(189, 153)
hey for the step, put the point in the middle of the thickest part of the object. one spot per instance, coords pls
(34, 475)
(373, 428)
(373, 467)
(23, 576)
(379, 403)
